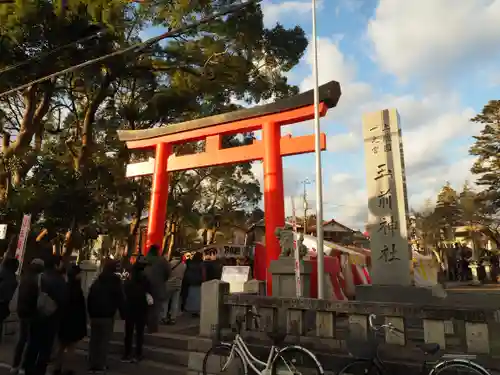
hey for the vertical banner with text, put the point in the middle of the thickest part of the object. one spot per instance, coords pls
(387, 198)
(23, 238)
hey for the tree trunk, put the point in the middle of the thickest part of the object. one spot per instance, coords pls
(88, 122)
(37, 99)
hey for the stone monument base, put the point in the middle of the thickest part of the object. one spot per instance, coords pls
(283, 273)
(399, 293)
(421, 296)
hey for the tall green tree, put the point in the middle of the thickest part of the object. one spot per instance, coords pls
(447, 211)
(427, 225)
(198, 73)
(487, 150)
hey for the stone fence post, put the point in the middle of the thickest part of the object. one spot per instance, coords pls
(254, 286)
(89, 274)
(213, 312)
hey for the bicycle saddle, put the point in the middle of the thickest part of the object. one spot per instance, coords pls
(429, 348)
(277, 337)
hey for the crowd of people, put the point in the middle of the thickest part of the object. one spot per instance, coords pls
(55, 313)
(458, 258)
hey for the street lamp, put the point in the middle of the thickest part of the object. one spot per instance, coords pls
(319, 178)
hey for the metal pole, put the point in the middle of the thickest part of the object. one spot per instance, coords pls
(304, 198)
(319, 178)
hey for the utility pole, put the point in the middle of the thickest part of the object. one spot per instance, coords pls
(306, 206)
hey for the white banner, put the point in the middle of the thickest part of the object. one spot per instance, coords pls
(3, 231)
(23, 237)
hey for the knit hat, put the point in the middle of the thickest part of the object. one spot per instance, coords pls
(38, 262)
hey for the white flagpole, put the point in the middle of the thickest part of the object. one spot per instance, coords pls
(296, 254)
(319, 178)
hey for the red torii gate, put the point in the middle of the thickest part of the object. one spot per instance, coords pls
(268, 117)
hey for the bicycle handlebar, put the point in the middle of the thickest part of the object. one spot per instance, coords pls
(388, 326)
(253, 312)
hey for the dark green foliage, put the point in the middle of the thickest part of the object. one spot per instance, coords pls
(487, 150)
(66, 166)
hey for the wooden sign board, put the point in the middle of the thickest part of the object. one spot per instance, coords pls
(144, 168)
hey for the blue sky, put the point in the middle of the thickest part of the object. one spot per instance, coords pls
(436, 62)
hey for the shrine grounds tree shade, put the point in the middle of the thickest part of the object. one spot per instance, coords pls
(269, 118)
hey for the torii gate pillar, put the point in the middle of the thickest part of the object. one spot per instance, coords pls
(274, 206)
(159, 196)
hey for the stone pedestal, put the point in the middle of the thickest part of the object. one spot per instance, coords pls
(487, 271)
(473, 268)
(257, 287)
(283, 273)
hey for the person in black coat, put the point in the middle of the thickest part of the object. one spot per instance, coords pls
(44, 328)
(105, 299)
(73, 324)
(138, 300)
(195, 275)
(8, 286)
(26, 309)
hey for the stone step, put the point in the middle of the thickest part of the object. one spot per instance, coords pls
(161, 340)
(160, 355)
(116, 367)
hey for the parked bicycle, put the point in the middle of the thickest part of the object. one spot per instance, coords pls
(281, 360)
(369, 363)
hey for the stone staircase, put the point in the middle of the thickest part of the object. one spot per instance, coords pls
(163, 352)
(170, 352)
(173, 350)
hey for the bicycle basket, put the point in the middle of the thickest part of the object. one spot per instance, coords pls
(361, 348)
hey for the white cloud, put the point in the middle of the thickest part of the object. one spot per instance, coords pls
(434, 39)
(332, 64)
(277, 11)
(430, 125)
(347, 199)
(344, 142)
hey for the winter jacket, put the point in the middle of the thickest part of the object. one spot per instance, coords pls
(105, 296)
(178, 268)
(53, 283)
(136, 289)
(158, 272)
(73, 325)
(8, 285)
(196, 273)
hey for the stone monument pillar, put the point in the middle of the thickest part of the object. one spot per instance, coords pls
(387, 213)
(387, 199)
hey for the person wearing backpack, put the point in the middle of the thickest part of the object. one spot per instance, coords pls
(105, 299)
(51, 291)
(26, 310)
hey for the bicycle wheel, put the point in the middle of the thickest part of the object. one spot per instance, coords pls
(458, 367)
(361, 367)
(220, 360)
(296, 360)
